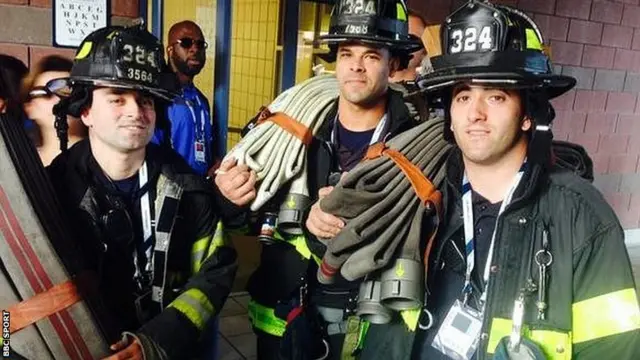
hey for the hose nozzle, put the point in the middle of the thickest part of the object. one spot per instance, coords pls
(291, 211)
(402, 285)
(369, 306)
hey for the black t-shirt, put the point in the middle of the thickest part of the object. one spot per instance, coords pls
(352, 145)
(450, 283)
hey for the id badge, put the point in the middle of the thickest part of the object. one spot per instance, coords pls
(199, 151)
(459, 333)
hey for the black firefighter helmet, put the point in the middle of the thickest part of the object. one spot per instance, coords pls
(120, 57)
(376, 22)
(497, 45)
(115, 57)
(485, 43)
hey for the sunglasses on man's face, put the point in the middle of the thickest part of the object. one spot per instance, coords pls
(41, 92)
(187, 43)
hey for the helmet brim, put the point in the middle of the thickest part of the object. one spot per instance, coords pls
(63, 86)
(409, 45)
(554, 85)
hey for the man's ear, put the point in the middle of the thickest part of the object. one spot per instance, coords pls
(526, 124)
(86, 118)
(394, 65)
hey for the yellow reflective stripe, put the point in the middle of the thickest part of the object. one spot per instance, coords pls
(264, 318)
(402, 14)
(195, 305)
(605, 315)
(85, 50)
(198, 252)
(499, 329)
(300, 243)
(411, 318)
(219, 239)
(206, 246)
(364, 329)
(556, 345)
(533, 42)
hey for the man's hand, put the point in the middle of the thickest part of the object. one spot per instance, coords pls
(125, 350)
(321, 224)
(211, 173)
(236, 182)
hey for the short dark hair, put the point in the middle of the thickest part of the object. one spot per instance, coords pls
(412, 12)
(12, 70)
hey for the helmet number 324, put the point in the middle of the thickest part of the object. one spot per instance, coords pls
(140, 61)
(469, 39)
(358, 7)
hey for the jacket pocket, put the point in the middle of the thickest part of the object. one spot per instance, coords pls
(556, 344)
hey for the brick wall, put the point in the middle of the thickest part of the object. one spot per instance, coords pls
(26, 30)
(597, 42)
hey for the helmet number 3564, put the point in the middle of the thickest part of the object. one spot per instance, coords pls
(137, 57)
(469, 39)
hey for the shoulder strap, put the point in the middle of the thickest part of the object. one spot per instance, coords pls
(427, 192)
(167, 203)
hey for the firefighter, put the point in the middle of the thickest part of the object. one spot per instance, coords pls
(369, 41)
(531, 261)
(147, 223)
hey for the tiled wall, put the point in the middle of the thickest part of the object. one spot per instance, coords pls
(253, 66)
(27, 29)
(598, 42)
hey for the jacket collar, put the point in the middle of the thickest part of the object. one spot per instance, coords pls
(532, 181)
(76, 167)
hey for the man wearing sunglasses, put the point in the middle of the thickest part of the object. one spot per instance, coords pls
(191, 133)
(145, 223)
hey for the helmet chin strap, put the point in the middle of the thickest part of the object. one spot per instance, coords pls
(71, 105)
(540, 110)
(60, 111)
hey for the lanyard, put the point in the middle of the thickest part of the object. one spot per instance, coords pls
(147, 232)
(377, 134)
(467, 211)
(195, 118)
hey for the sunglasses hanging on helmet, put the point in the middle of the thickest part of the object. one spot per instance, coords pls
(40, 92)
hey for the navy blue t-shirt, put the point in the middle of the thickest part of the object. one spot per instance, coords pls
(352, 146)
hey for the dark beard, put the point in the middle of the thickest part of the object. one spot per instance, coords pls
(184, 68)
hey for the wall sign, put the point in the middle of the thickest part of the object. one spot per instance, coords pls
(73, 20)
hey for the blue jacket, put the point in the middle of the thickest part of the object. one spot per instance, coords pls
(190, 119)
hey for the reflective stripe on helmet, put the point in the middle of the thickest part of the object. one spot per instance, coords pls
(401, 12)
(533, 42)
(85, 50)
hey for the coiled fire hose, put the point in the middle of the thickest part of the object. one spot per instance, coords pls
(384, 208)
(573, 157)
(276, 147)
